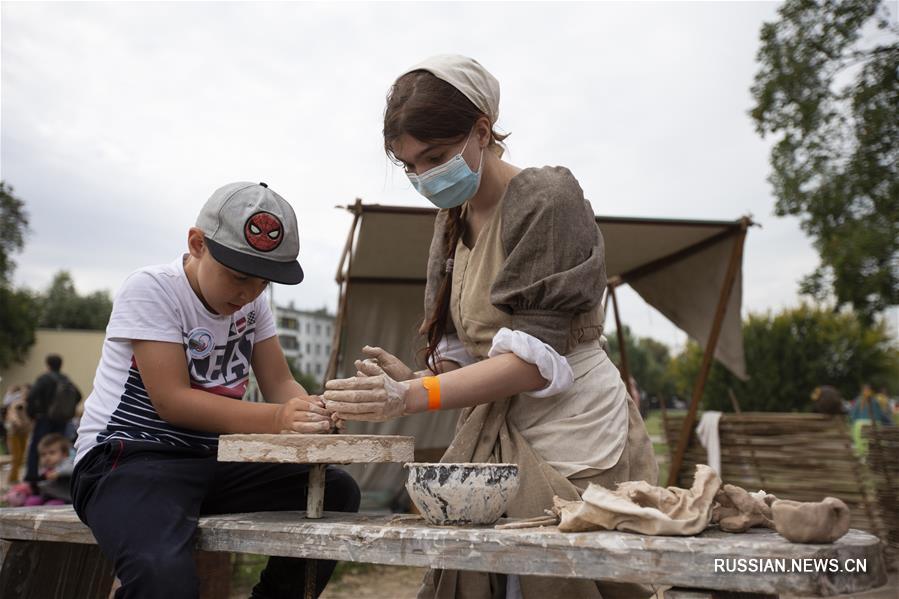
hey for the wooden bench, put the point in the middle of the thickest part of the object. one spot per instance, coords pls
(47, 552)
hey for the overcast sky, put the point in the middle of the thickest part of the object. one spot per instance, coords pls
(119, 120)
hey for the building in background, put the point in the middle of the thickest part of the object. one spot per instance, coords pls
(891, 319)
(305, 338)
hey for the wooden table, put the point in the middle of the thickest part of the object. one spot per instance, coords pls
(29, 533)
(318, 451)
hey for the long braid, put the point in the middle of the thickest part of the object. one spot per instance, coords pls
(436, 326)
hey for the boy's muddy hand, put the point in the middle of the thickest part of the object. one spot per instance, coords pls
(298, 415)
(393, 366)
(337, 423)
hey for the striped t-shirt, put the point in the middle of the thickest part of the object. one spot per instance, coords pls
(156, 303)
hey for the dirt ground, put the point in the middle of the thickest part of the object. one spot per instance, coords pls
(376, 582)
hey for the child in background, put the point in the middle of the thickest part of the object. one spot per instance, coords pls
(57, 463)
(180, 343)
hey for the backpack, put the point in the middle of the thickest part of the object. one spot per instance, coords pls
(65, 399)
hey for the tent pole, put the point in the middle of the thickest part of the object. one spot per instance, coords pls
(736, 258)
(624, 370)
(342, 289)
(605, 306)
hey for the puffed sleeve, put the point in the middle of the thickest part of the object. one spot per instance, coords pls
(555, 261)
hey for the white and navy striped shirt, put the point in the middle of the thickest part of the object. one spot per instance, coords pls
(156, 303)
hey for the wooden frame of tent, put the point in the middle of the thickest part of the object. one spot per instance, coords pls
(706, 254)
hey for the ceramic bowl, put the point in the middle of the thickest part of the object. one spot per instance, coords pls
(462, 493)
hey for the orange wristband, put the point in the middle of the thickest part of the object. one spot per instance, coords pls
(432, 384)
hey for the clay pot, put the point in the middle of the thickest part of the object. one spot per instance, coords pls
(462, 493)
(810, 522)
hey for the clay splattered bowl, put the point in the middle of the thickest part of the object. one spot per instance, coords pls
(462, 493)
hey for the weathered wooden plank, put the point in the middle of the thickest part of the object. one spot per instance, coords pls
(33, 570)
(624, 557)
(316, 449)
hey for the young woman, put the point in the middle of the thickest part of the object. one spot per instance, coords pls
(513, 318)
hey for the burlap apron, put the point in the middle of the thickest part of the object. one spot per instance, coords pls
(485, 433)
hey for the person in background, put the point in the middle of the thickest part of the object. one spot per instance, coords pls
(866, 407)
(883, 398)
(57, 463)
(18, 426)
(826, 399)
(12, 394)
(47, 389)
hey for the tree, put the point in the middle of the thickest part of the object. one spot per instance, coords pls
(18, 308)
(789, 354)
(13, 227)
(647, 360)
(836, 161)
(63, 308)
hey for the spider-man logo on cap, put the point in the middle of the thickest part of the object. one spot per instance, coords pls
(263, 231)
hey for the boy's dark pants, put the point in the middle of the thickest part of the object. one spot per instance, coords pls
(142, 501)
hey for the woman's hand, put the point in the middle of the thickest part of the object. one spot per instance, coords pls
(390, 364)
(371, 395)
(303, 415)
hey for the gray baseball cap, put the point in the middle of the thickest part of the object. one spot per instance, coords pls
(251, 229)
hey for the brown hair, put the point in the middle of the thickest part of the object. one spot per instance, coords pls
(48, 441)
(433, 111)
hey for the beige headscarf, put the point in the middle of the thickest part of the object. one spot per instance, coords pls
(468, 76)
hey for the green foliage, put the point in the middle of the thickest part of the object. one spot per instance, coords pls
(308, 381)
(18, 308)
(63, 308)
(789, 354)
(19, 311)
(13, 227)
(836, 161)
(647, 360)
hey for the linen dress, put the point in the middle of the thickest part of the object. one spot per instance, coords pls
(538, 266)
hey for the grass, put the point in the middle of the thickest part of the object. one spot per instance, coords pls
(656, 431)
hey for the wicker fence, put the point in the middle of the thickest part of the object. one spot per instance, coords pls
(883, 461)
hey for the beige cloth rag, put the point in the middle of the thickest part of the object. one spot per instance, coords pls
(637, 506)
(646, 509)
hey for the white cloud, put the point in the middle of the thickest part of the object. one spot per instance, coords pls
(120, 119)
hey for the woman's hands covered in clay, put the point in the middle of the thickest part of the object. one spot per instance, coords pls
(371, 395)
(304, 415)
(390, 364)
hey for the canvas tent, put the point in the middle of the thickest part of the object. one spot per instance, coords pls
(690, 270)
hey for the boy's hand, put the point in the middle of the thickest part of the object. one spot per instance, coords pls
(51, 475)
(302, 415)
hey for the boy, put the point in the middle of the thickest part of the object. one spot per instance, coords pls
(179, 346)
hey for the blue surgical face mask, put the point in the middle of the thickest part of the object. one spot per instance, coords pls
(450, 184)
